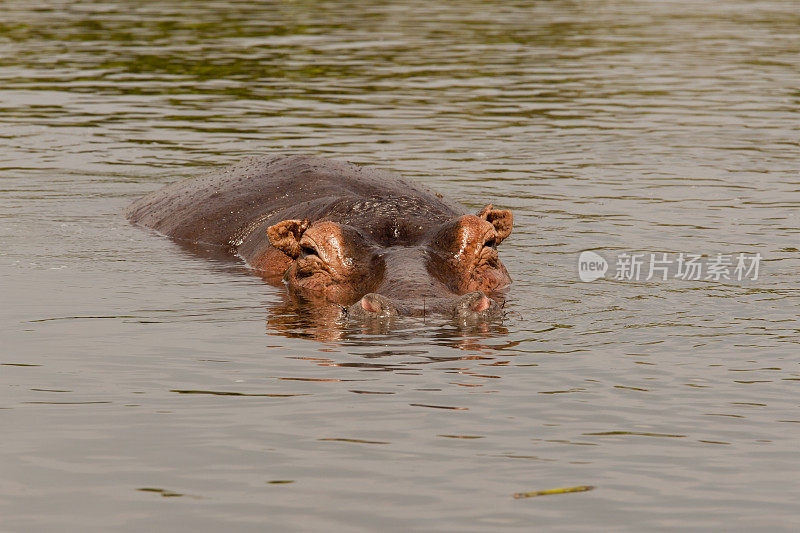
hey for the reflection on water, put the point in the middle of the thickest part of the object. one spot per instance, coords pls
(303, 316)
(137, 379)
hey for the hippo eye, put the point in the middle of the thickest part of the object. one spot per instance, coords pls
(308, 249)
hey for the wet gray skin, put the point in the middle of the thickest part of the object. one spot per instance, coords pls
(367, 240)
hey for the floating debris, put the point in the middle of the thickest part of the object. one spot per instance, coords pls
(566, 490)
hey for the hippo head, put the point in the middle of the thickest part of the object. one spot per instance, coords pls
(447, 268)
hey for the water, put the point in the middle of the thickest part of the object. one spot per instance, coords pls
(145, 388)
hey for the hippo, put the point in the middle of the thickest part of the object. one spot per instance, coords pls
(367, 240)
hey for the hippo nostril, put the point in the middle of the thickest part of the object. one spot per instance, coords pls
(480, 304)
(373, 306)
(475, 306)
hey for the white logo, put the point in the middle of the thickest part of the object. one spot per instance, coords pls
(591, 266)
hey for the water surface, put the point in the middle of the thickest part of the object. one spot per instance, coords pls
(145, 388)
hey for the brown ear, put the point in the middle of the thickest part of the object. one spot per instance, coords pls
(501, 219)
(285, 236)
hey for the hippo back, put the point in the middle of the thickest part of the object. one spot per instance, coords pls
(225, 206)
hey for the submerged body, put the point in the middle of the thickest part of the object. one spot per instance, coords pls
(361, 238)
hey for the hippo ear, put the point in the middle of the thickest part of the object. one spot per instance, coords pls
(501, 219)
(285, 236)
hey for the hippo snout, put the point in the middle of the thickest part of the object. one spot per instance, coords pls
(469, 308)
